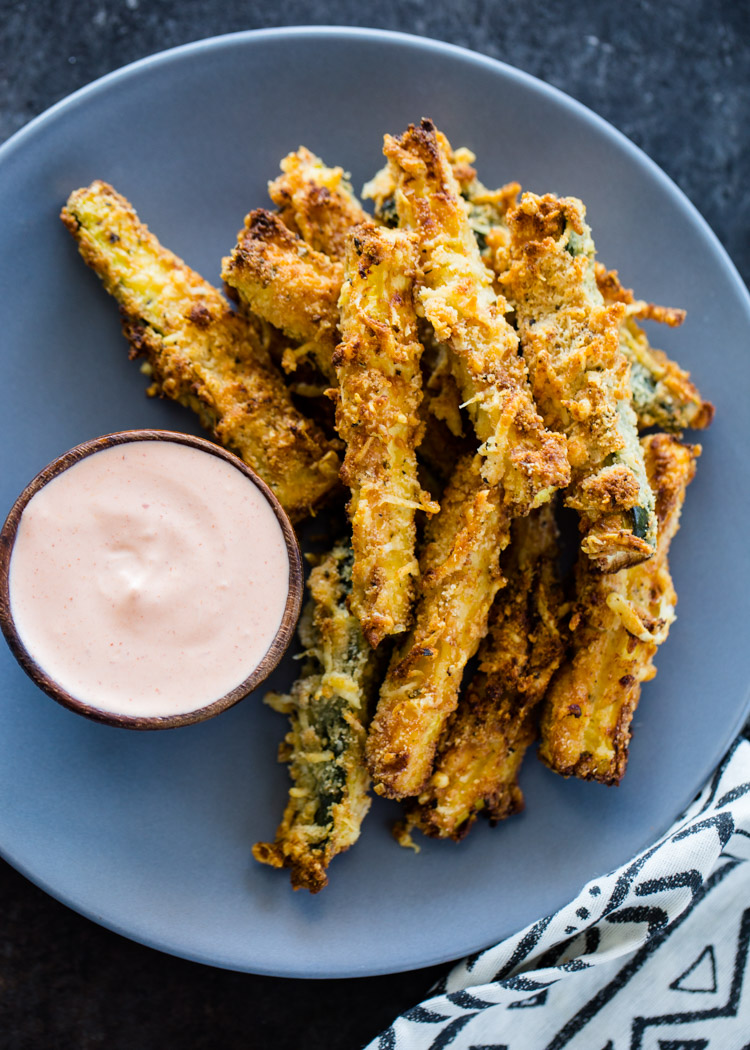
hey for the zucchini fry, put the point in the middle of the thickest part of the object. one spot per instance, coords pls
(486, 208)
(663, 394)
(476, 770)
(199, 352)
(580, 377)
(457, 298)
(328, 709)
(460, 577)
(608, 283)
(316, 202)
(287, 283)
(619, 622)
(377, 415)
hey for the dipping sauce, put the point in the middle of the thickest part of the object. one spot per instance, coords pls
(149, 578)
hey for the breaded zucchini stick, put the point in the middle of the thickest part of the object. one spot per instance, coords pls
(377, 415)
(663, 394)
(317, 202)
(486, 209)
(287, 283)
(476, 769)
(457, 298)
(328, 710)
(620, 621)
(612, 290)
(460, 577)
(580, 377)
(200, 352)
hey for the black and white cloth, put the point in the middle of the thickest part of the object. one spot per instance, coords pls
(650, 957)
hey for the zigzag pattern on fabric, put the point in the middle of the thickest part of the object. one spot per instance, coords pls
(609, 969)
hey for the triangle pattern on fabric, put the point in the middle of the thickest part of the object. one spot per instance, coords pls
(700, 976)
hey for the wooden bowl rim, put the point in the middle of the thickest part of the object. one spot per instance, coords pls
(36, 672)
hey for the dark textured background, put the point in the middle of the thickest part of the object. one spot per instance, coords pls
(675, 78)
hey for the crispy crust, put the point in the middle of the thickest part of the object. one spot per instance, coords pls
(663, 395)
(377, 415)
(293, 287)
(580, 376)
(328, 709)
(442, 443)
(316, 202)
(476, 769)
(457, 298)
(608, 282)
(486, 208)
(199, 352)
(460, 577)
(619, 622)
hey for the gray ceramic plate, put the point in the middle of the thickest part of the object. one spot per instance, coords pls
(149, 834)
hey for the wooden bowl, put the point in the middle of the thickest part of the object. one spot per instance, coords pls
(35, 671)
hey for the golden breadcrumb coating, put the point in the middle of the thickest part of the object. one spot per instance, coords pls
(457, 316)
(486, 213)
(441, 397)
(619, 622)
(486, 208)
(328, 710)
(199, 352)
(317, 202)
(377, 415)
(608, 283)
(457, 298)
(663, 394)
(289, 284)
(476, 768)
(580, 377)
(460, 577)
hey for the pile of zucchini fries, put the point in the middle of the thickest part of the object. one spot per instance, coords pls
(484, 368)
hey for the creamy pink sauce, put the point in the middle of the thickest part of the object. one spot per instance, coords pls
(149, 579)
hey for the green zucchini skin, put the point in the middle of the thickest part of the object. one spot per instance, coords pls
(328, 708)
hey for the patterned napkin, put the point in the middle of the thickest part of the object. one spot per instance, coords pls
(649, 957)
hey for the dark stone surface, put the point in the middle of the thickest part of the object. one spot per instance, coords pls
(67, 983)
(675, 78)
(672, 75)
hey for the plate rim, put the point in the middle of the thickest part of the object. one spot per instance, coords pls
(160, 58)
(396, 36)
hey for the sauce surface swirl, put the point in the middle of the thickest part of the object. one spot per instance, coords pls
(149, 579)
